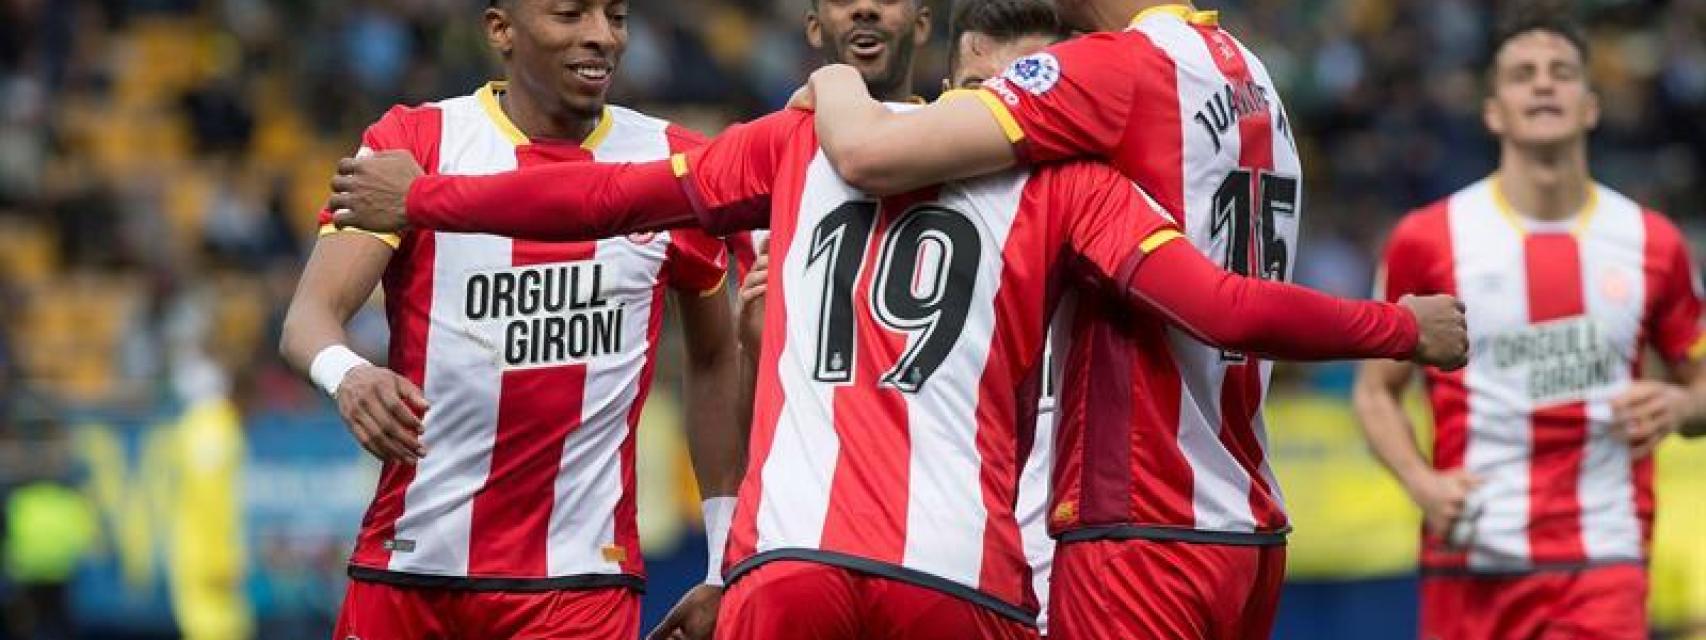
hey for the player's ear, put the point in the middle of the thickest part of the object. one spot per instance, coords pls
(498, 34)
(814, 30)
(1492, 116)
(1591, 113)
(921, 30)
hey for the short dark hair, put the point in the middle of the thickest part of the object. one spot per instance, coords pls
(1002, 20)
(1530, 16)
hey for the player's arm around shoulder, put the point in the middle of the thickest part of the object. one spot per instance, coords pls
(885, 153)
(381, 408)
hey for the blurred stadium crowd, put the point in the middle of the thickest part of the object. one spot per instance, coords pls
(161, 162)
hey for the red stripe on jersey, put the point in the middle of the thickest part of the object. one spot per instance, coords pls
(1242, 389)
(1654, 265)
(767, 393)
(1448, 392)
(537, 411)
(1107, 395)
(408, 308)
(627, 528)
(1559, 433)
(1004, 438)
(869, 495)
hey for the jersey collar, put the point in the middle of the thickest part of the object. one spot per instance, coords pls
(488, 96)
(1182, 12)
(1522, 224)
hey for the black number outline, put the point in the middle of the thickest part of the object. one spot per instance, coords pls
(1255, 233)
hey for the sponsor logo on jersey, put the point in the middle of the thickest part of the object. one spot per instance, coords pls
(1562, 360)
(544, 315)
(1036, 73)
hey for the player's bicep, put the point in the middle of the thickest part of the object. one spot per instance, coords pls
(960, 136)
(342, 271)
(1110, 223)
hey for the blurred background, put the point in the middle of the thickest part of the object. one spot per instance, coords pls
(162, 474)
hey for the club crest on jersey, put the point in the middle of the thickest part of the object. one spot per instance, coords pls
(1035, 73)
(642, 238)
(543, 315)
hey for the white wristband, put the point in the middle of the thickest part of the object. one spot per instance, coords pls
(331, 365)
(719, 513)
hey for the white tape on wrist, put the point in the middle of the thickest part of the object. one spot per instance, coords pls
(331, 365)
(719, 513)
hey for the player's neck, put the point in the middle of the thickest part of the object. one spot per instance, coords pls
(1113, 15)
(535, 119)
(900, 92)
(1546, 184)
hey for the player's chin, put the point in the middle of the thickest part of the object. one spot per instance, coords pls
(588, 104)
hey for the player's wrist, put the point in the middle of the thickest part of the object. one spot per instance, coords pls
(331, 365)
(719, 514)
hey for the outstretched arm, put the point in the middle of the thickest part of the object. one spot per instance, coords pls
(1287, 322)
(555, 202)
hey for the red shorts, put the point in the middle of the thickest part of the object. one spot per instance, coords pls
(1143, 590)
(789, 599)
(378, 611)
(1601, 603)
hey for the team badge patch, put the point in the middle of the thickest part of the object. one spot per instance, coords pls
(1036, 73)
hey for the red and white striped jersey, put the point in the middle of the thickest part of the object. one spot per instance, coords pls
(536, 358)
(902, 346)
(1162, 435)
(1559, 316)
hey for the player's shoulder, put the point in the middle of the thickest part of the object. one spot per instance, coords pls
(1426, 225)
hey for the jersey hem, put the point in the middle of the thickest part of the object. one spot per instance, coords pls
(1547, 567)
(522, 585)
(886, 570)
(1173, 534)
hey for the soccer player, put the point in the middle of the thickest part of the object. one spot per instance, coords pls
(1176, 476)
(891, 386)
(985, 36)
(507, 510)
(1539, 498)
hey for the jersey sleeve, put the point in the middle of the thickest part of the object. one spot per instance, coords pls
(1071, 100)
(1673, 317)
(1413, 255)
(696, 263)
(1108, 223)
(399, 128)
(730, 180)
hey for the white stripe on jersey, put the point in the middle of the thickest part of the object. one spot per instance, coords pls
(946, 480)
(1614, 239)
(1489, 281)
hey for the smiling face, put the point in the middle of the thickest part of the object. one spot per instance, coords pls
(568, 49)
(1539, 92)
(877, 37)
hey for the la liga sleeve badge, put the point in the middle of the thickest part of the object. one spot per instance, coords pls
(1036, 73)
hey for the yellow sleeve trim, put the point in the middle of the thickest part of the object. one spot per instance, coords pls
(391, 239)
(717, 290)
(1009, 125)
(1697, 350)
(678, 165)
(1155, 240)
